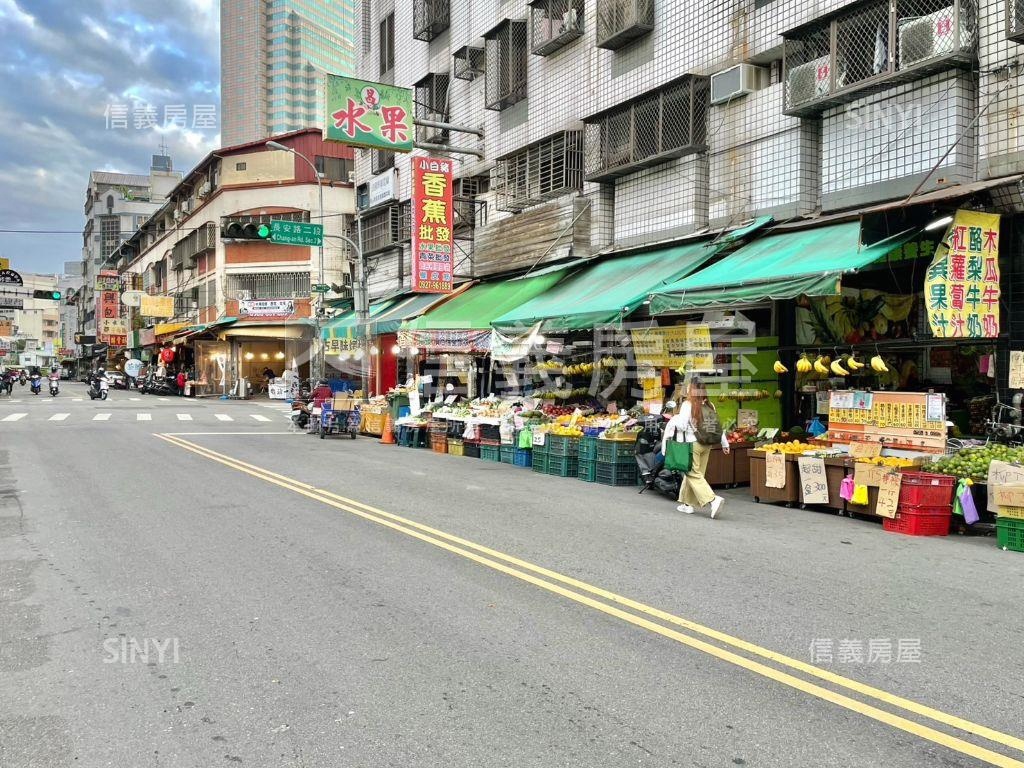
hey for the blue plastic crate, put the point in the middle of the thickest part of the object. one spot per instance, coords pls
(522, 457)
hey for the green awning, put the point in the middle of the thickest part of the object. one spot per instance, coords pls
(477, 307)
(406, 307)
(342, 326)
(736, 234)
(782, 266)
(607, 291)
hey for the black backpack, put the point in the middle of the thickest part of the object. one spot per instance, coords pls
(709, 429)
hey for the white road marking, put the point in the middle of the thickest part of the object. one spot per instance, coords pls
(162, 399)
(101, 417)
(143, 416)
(59, 417)
(14, 417)
(135, 399)
(184, 417)
(259, 417)
(223, 417)
(76, 399)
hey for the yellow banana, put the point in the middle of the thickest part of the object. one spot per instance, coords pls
(837, 368)
(803, 365)
(820, 366)
(878, 364)
(853, 363)
(779, 367)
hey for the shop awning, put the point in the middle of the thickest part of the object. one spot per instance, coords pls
(463, 324)
(407, 307)
(342, 326)
(196, 330)
(608, 290)
(302, 328)
(781, 266)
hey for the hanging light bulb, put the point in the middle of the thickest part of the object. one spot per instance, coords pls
(264, 356)
(359, 354)
(396, 350)
(249, 355)
(279, 356)
(374, 350)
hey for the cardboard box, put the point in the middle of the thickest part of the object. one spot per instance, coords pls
(345, 403)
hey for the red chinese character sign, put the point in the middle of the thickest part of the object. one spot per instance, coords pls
(369, 114)
(962, 283)
(432, 256)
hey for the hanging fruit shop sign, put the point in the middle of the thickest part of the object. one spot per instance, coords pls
(962, 283)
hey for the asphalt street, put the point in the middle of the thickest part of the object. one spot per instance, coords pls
(185, 584)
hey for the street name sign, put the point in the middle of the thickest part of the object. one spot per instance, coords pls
(296, 233)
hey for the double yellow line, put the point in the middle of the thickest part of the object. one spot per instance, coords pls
(641, 615)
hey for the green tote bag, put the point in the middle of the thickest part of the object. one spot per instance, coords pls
(678, 456)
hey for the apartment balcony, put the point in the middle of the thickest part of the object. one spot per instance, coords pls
(555, 24)
(199, 241)
(387, 227)
(542, 171)
(430, 18)
(872, 46)
(620, 22)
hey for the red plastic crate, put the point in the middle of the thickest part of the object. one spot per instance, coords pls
(920, 521)
(926, 489)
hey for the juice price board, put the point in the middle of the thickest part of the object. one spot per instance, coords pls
(914, 421)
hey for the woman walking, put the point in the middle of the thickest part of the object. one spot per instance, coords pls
(697, 423)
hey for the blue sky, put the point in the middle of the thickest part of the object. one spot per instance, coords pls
(69, 67)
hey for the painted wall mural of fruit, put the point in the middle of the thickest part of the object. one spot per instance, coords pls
(857, 316)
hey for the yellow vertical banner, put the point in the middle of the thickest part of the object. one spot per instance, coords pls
(961, 287)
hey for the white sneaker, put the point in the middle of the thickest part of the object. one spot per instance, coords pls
(716, 505)
(685, 508)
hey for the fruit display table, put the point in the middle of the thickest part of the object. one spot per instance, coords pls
(789, 494)
(721, 468)
(741, 463)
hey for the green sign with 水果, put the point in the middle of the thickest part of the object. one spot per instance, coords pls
(320, 288)
(296, 233)
(369, 114)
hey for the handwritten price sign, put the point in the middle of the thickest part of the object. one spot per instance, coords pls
(812, 480)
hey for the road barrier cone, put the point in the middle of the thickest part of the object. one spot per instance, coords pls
(388, 438)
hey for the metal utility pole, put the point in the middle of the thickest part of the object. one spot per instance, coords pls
(318, 366)
(360, 293)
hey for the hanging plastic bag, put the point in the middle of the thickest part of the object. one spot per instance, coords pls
(816, 428)
(860, 496)
(526, 439)
(846, 488)
(470, 431)
(963, 503)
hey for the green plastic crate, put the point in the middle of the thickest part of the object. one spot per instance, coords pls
(542, 449)
(588, 448)
(490, 452)
(540, 462)
(614, 473)
(508, 453)
(1010, 534)
(587, 471)
(615, 451)
(563, 466)
(563, 446)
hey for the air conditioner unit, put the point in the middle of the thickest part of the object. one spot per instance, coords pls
(204, 190)
(809, 81)
(244, 295)
(570, 22)
(736, 81)
(351, 177)
(928, 36)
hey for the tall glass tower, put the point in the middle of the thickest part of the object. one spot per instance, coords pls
(274, 54)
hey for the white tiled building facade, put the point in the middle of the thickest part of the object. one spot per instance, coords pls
(899, 96)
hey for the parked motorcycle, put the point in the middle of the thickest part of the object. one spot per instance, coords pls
(158, 385)
(301, 408)
(54, 385)
(36, 383)
(650, 461)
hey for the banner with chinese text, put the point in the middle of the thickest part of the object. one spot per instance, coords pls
(369, 114)
(108, 308)
(113, 331)
(432, 256)
(685, 347)
(962, 283)
(156, 306)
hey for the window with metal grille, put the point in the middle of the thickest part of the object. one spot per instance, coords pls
(429, 18)
(620, 22)
(1015, 20)
(200, 240)
(386, 43)
(539, 172)
(381, 160)
(387, 227)
(554, 24)
(431, 96)
(469, 212)
(334, 168)
(469, 63)
(110, 234)
(505, 64)
(840, 57)
(659, 126)
(272, 285)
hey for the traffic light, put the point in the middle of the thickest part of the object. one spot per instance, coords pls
(48, 295)
(251, 230)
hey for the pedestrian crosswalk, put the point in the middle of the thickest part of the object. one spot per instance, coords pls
(153, 417)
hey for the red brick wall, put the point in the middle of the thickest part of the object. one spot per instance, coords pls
(257, 252)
